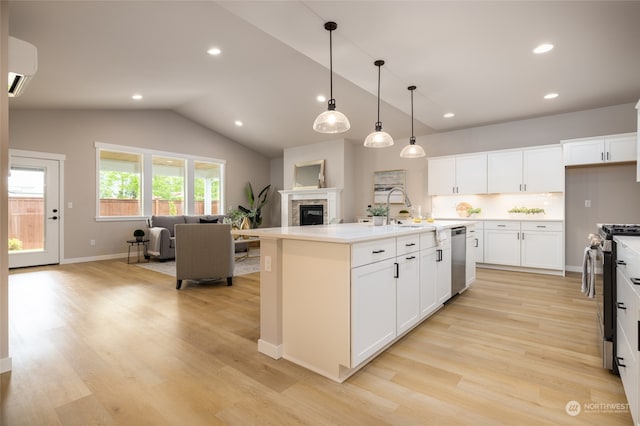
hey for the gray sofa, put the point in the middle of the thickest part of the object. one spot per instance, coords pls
(162, 237)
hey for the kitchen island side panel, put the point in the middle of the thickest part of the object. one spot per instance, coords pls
(316, 305)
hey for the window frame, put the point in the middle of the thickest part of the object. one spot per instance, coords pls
(147, 179)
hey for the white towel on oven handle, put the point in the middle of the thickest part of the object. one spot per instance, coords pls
(589, 272)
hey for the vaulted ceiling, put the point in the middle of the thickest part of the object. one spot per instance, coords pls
(471, 58)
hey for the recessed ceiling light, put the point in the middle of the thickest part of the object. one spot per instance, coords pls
(136, 97)
(238, 123)
(214, 51)
(321, 98)
(551, 96)
(449, 115)
(543, 48)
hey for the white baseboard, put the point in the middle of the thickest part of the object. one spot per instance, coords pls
(5, 365)
(269, 349)
(93, 258)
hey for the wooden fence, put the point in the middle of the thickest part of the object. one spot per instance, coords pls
(26, 222)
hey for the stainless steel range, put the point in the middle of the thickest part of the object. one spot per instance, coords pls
(606, 288)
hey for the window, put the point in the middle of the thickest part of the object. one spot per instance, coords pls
(134, 182)
(206, 189)
(168, 186)
(119, 184)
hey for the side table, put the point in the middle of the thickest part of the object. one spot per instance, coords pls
(138, 244)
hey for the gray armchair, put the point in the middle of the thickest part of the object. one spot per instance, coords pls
(204, 251)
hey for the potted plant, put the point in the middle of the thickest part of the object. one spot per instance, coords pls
(139, 234)
(254, 211)
(403, 214)
(378, 212)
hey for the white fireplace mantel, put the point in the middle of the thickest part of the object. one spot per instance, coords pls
(331, 195)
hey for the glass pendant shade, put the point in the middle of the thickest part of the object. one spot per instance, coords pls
(331, 121)
(378, 139)
(412, 151)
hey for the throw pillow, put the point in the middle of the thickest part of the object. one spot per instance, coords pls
(208, 221)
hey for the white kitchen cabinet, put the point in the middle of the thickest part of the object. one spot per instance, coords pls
(600, 149)
(502, 243)
(530, 170)
(478, 242)
(465, 174)
(532, 244)
(407, 291)
(542, 245)
(443, 269)
(373, 309)
(470, 267)
(628, 304)
(428, 296)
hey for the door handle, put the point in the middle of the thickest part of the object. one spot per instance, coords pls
(53, 217)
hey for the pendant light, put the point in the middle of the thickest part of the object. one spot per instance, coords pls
(332, 120)
(378, 139)
(412, 150)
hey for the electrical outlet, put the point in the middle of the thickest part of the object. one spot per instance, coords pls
(69, 205)
(587, 203)
(267, 263)
(92, 242)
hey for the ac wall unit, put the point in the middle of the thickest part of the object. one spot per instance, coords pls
(23, 64)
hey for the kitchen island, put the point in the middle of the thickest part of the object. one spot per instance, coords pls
(332, 297)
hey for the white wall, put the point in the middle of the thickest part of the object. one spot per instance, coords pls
(277, 184)
(5, 360)
(515, 134)
(73, 134)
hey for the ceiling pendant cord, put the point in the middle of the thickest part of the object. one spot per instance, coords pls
(378, 138)
(331, 120)
(412, 150)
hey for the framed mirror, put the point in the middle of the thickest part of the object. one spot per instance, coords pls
(308, 175)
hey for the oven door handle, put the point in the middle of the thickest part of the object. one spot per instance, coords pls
(635, 281)
(621, 306)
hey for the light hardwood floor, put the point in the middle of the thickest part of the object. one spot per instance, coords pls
(111, 343)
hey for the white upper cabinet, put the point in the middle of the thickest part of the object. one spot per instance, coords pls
(529, 170)
(465, 174)
(601, 149)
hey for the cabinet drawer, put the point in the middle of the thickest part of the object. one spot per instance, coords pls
(502, 225)
(626, 307)
(427, 240)
(541, 226)
(407, 244)
(629, 264)
(372, 251)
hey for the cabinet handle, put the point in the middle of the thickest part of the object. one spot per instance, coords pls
(619, 360)
(635, 281)
(621, 262)
(377, 251)
(518, 235)
(621, 306)
(453, 189)
(410, 245)
(502, 226)
(410, 258)
(607, 155)
(602, 156)
(476, 243)
(438, 255)
(520, 188)
(541, 226)
(396, 273)
(525, 187)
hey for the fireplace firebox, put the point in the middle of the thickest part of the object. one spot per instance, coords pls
(311, 214)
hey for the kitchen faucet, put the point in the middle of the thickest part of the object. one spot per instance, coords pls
(407, 201)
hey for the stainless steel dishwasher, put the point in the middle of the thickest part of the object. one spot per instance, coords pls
(458, 259)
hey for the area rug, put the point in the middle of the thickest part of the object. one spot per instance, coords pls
(243, 266)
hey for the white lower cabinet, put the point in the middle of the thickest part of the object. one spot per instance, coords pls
(470, 265)
(531, 244)
(443, 270)
(373, 308)
(407, 291)
(428, 298)
(627, 325)
(502, 243)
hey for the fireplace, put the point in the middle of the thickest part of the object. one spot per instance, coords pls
(311, 214)
(291, 200)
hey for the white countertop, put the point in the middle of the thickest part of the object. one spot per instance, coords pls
(632, 242)
(505, 219)
(348, 233)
